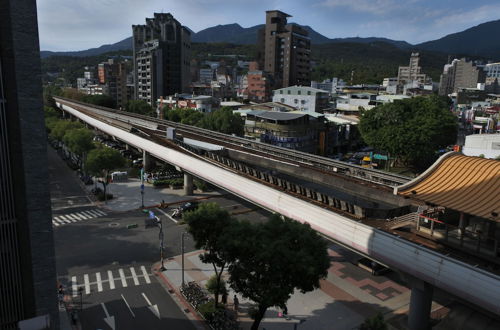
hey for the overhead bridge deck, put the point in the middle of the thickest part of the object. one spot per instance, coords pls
(468, 282)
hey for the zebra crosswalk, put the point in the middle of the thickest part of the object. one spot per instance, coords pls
(108, 280)
(63, 219)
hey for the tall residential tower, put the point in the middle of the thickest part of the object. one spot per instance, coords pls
(285, 51)
(161, 58)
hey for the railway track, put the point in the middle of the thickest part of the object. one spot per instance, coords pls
(323, 163)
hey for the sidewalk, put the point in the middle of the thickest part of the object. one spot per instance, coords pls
(127, 195)
(345, 299)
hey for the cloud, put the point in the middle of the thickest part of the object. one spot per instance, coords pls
(378, 7)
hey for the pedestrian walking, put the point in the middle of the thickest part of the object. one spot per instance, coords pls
(224, 298)
(236, 303)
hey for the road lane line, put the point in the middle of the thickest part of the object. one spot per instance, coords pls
(111, 280)
(134, 275)
(74, 286)
(145, 273)
(122, 276)
(87, 283)
(99, 282)
(126, 303)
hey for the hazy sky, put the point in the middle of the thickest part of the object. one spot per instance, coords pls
(83, 24)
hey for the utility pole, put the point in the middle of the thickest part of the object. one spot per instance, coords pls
(161, 237)
(182, 253)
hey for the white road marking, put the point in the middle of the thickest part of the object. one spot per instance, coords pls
(72, 217)
(134, 275)
(94, 213)
(167, 215)
(87, 213)
(111, 280)
(87, 283)
(100, 212)
(63, 218)
(145, 273)
(122, 276)
(83, 215)
(99, 282)
(126, 303)
(74, 286)
(55, 223)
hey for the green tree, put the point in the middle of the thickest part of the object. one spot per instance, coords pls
(412, 129)
(101, 100)
(101, 161)
(376, 322)
(79, 141)
(139, 106)
(225, 121)
(49, 92)
(61, 127)
(207, 224)
(267, 262)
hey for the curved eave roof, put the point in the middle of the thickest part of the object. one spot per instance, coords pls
(466, 184)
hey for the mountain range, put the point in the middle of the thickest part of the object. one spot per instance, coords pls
(476, 41)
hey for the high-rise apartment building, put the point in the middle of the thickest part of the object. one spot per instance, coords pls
(412, 72)
(27, 266)
(460, 74)
(114, 76)
(285, 51)
(161, 58)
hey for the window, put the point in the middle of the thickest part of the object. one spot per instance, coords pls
(299, 92)
(308, 92)
(296, 101)
(288, 92)
(303, 101)
(282, 100)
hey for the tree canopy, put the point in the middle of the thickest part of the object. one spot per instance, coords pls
(101, 161)
(411, 129)
(61, 127)
(139, 106)
(206, 224)
(225, 121)
(79, 141)
(268, 261)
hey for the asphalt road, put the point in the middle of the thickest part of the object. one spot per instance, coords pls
(110, 263)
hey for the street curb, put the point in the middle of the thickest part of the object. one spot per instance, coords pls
(194, 317)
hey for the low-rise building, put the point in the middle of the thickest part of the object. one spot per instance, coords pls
(333, 85)
(304, 98)
(258, 84)
(299, 131)
(202, 103)
(487, 145)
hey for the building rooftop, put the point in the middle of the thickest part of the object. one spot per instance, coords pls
(466, 184)
(275, 115)
(303, 88)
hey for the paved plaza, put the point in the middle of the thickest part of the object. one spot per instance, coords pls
(345, 299)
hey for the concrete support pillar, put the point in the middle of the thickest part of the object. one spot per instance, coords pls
(147, 161)
(188, 184)
(420, 305)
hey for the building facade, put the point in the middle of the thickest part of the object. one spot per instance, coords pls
(284, 51)
(258, 84)
(297, 131)
(412, 73)
(303, 98)
(27, 263)
(161, 50)
(460, 74)
(113, 75)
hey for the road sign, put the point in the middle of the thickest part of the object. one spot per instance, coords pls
(142, 187)
(151, 215)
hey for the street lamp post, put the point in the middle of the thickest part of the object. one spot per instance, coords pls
(182, 253)
(161, 237)
(142, 187)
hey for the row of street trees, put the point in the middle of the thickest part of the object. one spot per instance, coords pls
(95, 158)
(266, 262)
